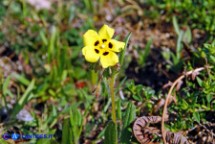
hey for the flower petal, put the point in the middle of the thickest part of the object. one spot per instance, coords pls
(106, 32)
(90, 38)
(109, 59)
(117, 46)
(90, 54)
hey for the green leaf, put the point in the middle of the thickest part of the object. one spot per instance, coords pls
(196, 116)
(66, 133)
(137, 97)
(129, 117)
(21, 79)
(200, 82)
(143, 56)
(76, 124)
(119, 111)
(184, 105)
(175, 24)
(187, 37)
(111, 133)
(179, 45)
(27, 92)
(43, 37)
(147, 49)
(75, 117)
(130, 114)
(174, 58)
(5, 87)
(23, 100)
(46, 141)
(3, 141)
(166, 54)
(122, 54)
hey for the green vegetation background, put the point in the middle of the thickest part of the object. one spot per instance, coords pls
(44, 71)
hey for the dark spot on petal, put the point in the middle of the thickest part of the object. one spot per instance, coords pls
(97, 51)
(104, 40)
(105, 53)
(110, 45)
(96, 43)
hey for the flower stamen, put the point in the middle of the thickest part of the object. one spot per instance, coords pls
(102, 46)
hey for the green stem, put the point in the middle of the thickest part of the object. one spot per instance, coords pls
(112, 93)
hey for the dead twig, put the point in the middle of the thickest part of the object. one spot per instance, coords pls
(193, 73)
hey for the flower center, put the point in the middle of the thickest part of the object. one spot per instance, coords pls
(102, 46)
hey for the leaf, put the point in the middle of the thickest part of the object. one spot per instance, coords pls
(137, 97)
(27, 92)
(5, 86)
(175, 24)
(21, 79)
(196, 117)
(66, 132)
(119, 111)
(46, 141)
(179, 45)
(144, 55)
(166, 54)
(111, 133)
(43, 37)
(129, 117)
(76, 124)
(174, 58)
(23, 100)
(184, 105)
(3, 141)
(122, 54)
(147, 49)
(89, 5)
(200, 82)
(187, 37)
(130, 114)
(75, 117)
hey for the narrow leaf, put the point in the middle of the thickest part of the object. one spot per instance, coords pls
(27, 92)
(23, 100)
(187, 37)
(5, 85)
(66, 132)
(128, 119)
(111, 133)
(130, 115)
(122, 54)
(145, 53)
(196, 116)
(175, 24)
(21, 79)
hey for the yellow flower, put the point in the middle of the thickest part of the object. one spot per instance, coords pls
(101, 46)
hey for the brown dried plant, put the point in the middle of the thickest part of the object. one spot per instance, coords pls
(144, 133)
(193, 74)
